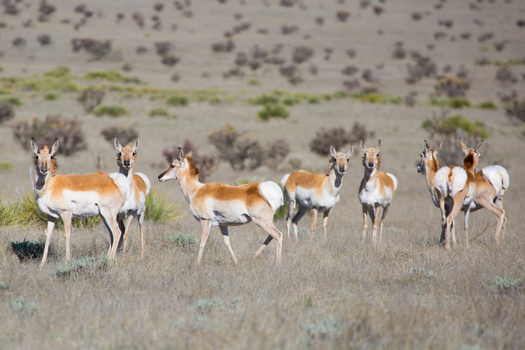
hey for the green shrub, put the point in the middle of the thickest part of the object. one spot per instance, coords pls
(111, 110)
(57, 73)
(112, 76)
(158, 111)
(6, 166)
(51, 96)
(159, 209)
(82, 266)
(177, 100)
(271, 110)
(265, 99)
(15, 101)
(506, 285)
(488, 105)
(183, 240)
(459, 102)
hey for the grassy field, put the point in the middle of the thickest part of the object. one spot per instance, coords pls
(406, 293)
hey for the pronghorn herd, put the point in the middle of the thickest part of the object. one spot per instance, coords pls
(122, 195)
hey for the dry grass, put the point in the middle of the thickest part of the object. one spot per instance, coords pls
(407, 293)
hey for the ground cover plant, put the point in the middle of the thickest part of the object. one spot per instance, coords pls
(368, 69)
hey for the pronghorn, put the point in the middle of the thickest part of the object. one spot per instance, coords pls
(223, 205)
(139, 188)
(376, 190)
(76, 196)
(457, 189)
(491, 183)
(319, 192)
(430, 165)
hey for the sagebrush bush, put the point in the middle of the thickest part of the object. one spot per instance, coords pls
(98, 49)
(91, 97)
(276, 152)
(68, 131)
(445, 129)
(7, 112)
(516, 109)
(207, 164)
(124, 133)
(239, 149)
(452, 86)
(337, 137)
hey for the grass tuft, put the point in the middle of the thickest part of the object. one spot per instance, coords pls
(159, 209)
(110, 110)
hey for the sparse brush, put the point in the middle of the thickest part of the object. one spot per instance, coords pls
(488, 105)
(82, 266)
(337, 137)
(112, 76)
(239, 149)
(273, 110)
(160, 209)
(507, 285)
(91, 97)
(505, 76)
(7, 112)
(124, 133)
(68, 131)
(516, 108)
(110, 110)
(452, 86)
(183, 240)
(177, 100)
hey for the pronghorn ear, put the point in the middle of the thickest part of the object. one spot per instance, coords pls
(379, 144)
(464, 148)
(350, 150)
(118, 146)
(34, 146)
(363, 146)
(190, 154)
(54, 148)
(333, 153)
(181, 154)
(438, 147)
(136, 145)
(479, 146)
(427, 147)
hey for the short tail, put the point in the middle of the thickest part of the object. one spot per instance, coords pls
(272, 193)
(284, 179)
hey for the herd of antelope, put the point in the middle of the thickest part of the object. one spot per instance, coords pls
(120, 196)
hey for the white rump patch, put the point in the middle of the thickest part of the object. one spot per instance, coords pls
(394, 179)
(498, 177)
(146, 180)
(272, 193)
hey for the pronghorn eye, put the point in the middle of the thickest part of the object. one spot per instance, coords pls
(119, 154)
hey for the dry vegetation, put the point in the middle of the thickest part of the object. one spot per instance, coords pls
(173, 72)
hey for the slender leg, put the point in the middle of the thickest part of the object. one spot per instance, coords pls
(296, 218)
(129, 219)
(109, 217)
(375, 221)
(142, 231)
(268, 226)
(496, 210)
(264, 245)
(365, 212)
(458, 202)
(205, 232)
(467, 212)
(291, 208)
(66, 218)
(385, 210)
(50, 226)
(224, 231)
(325, 221)
(314, 223)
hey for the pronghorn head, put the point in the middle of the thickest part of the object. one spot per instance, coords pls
(428, 158)
(126, 156)
(339, 160)
(45, 157)
(372, 156)
(471, 155)
(180, 166)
